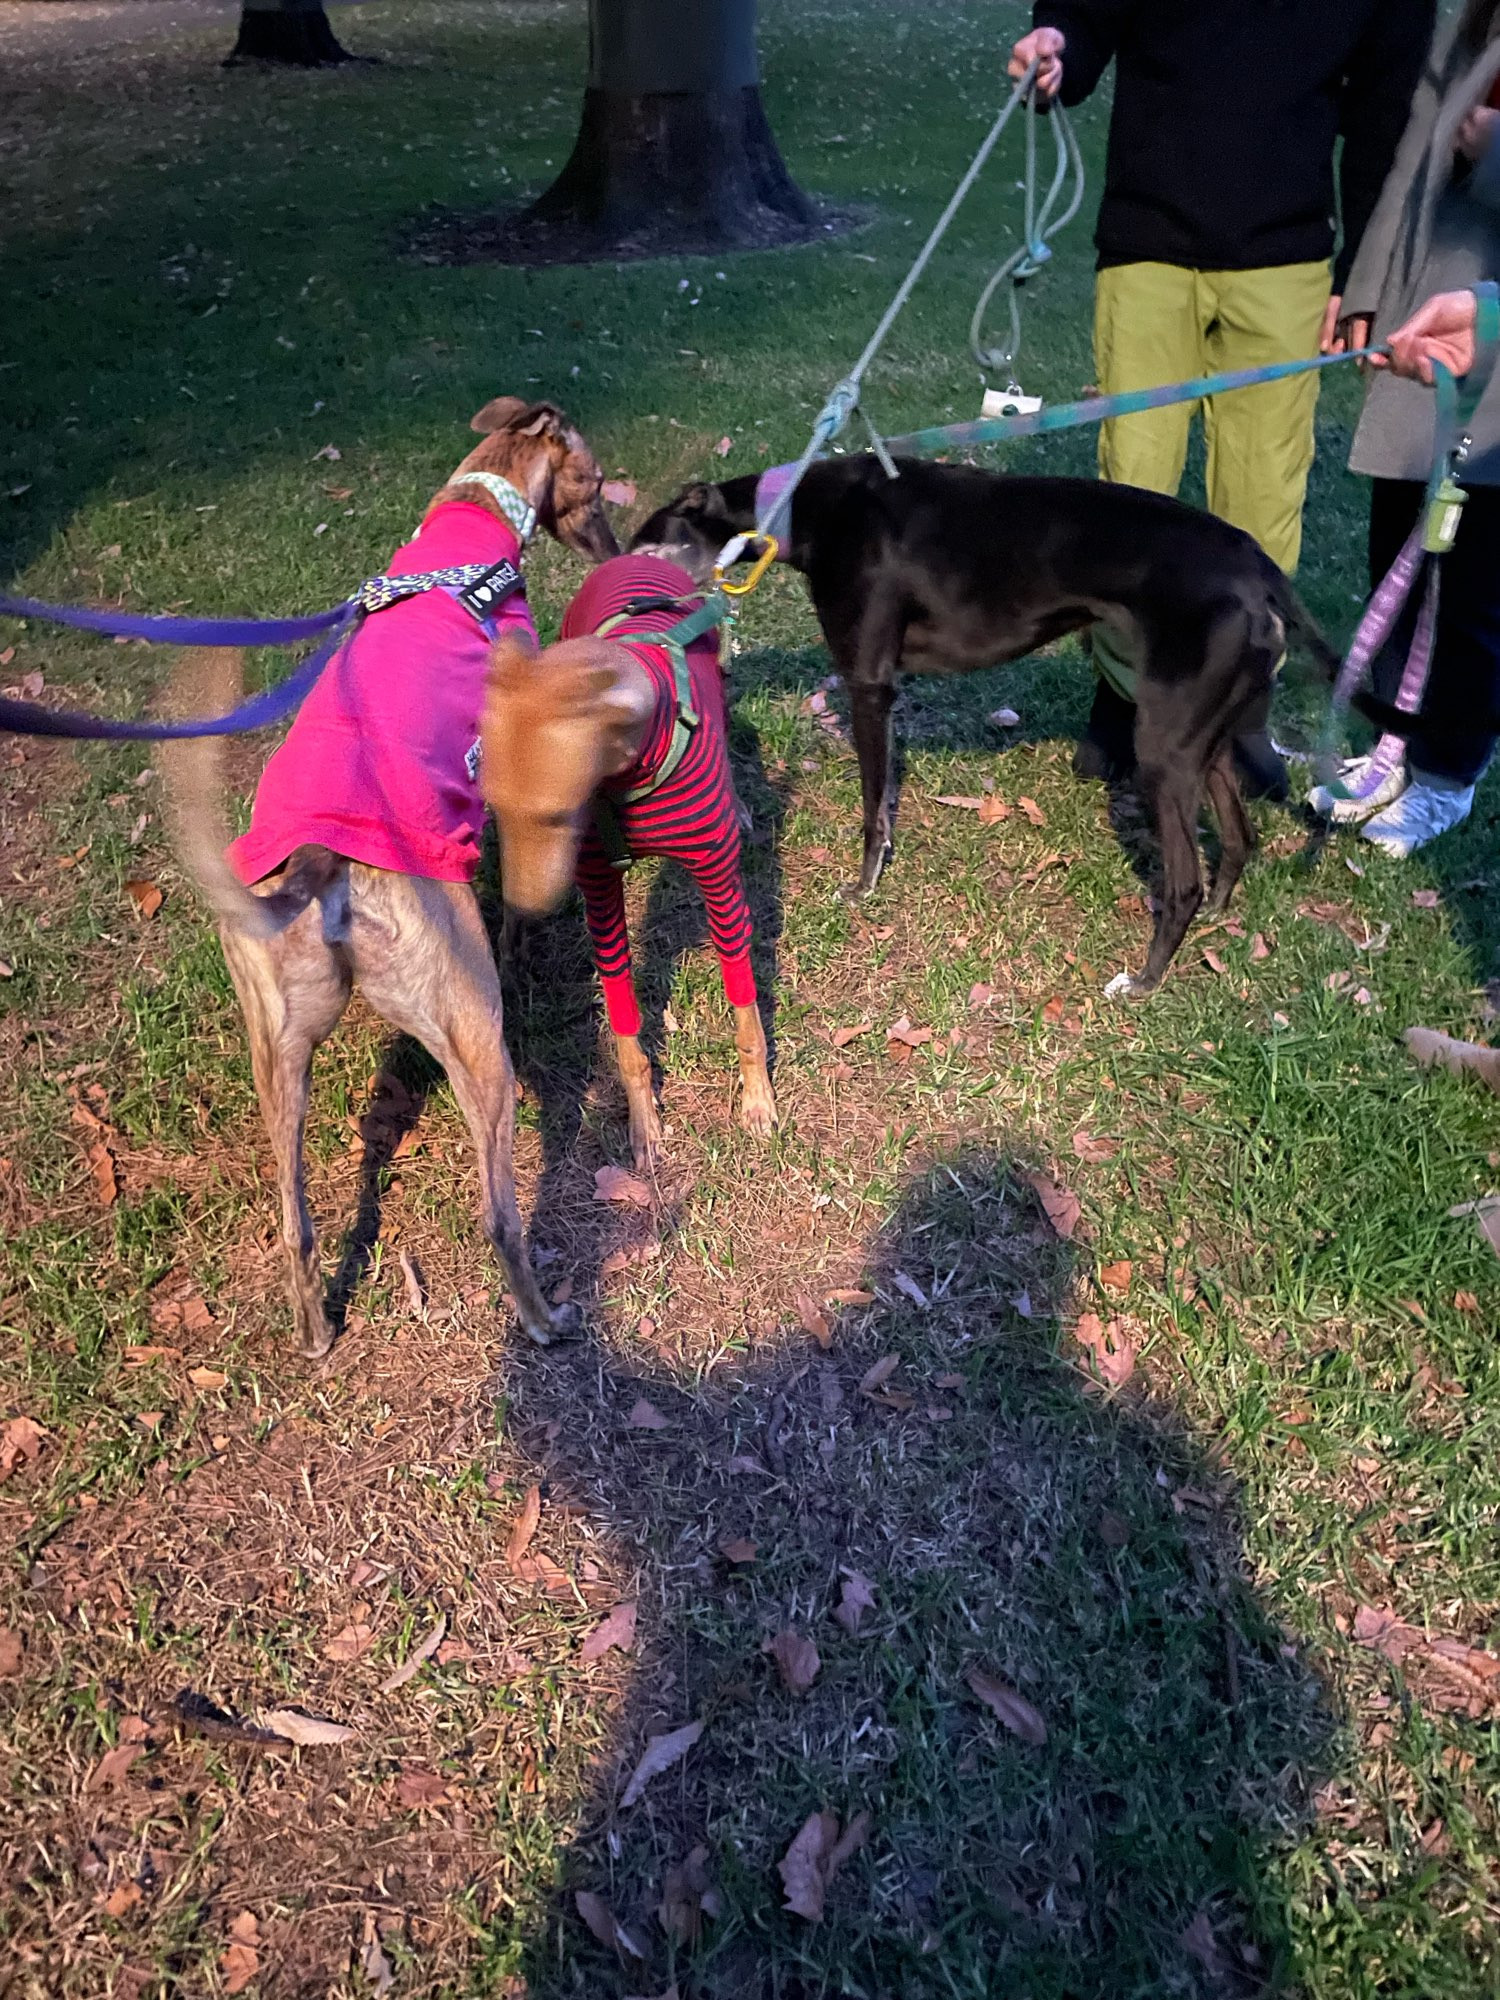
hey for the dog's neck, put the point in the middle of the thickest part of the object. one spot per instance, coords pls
(506, 500)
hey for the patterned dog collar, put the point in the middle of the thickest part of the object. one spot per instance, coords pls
(513, 505)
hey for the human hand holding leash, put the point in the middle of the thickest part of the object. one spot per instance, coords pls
(1477, 133)
(1044, 47)
(1340, 332)
(1442, 330)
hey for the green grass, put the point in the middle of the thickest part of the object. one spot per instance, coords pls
(206, 290)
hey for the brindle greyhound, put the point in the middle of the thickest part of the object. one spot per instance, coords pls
(325, 918)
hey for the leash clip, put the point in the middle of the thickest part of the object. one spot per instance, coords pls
(731, 553)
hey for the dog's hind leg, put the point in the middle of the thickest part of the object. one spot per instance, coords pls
(422, 959)
(758, 1104)
(292, 989)
(870, 721)
(1236, 834)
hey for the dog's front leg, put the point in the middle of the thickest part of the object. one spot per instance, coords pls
(758, 1105)
(870, 721)
(635, 1074)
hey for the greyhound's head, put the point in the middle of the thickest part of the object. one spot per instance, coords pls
(535, 448)
(692, 529)
(556, 725)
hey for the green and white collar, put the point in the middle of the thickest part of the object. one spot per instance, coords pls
(514, 505)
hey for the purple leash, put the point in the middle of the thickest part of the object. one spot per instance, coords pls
(479, 587)
(1374, 629)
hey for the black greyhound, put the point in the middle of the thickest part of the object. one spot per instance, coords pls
(947, 568)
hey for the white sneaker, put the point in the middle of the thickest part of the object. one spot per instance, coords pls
(1327, 804)
(1419, 815)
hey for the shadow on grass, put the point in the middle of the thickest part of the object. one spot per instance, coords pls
(1009, 1516)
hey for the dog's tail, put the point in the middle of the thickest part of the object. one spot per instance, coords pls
(1303, 628)
(192, 768)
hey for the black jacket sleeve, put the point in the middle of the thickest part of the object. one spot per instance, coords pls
(1092, 28)
(1376, 104)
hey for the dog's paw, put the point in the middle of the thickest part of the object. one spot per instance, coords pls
(565, 1321)
(1122, 987)
(758, 1115)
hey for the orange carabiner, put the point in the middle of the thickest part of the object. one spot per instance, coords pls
(762, 563)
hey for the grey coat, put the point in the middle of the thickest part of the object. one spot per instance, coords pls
(1433, 230)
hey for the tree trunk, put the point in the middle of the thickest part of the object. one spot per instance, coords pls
(286, 31)
(674, 151)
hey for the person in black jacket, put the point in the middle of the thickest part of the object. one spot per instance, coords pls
(1215, 234)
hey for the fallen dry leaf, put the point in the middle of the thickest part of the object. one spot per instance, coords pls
(797, 1659)
(12, 1653)
(207, 1378)
(724, 447)
(688, 1896)
(1116, 1277)
(1379, 1628)
(842, 1037)
(22, 1438)
(113, 1767)
(417, 1787)
(644, 1416)
(525, 1525)
(1110, 1350)
(147, 896)
(856, 1597)
(1425, 899)
(907, 1284)
(992, 809)
(614, 1184)
(808, 1867)
(239, 1965)
(297, 1727)
(662, 1752)
(1093, 1149)
(373, 1963)
(1213, 961)
(1258, 947)
(902, 1031)
(1013, 1709)
(877, 1376)
(1003, 718)
(121, 1901)
(411, 1278)
(1465, 1302)
(412, 1666)
(981, 995)
(1032, 811)
(1199, 1942)
(1114, 1530)
(618, 1629)
(618, 492)
(1061, 1207)
(347, 1645)
(964, 801)
(851, 1295)
(106, 1179)
(813, 1321)
(604, 1924)
(737, 1549)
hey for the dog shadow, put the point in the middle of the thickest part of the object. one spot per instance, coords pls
(1010, 1518)
(404, 1081)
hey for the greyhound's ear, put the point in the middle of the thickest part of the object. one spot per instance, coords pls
(498, 415)
(698, 497)
(541, 419)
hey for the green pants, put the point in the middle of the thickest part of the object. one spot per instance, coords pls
(1160, 323)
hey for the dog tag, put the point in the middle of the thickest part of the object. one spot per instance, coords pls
(1444, 512)
(484, 598)
(1009, 403)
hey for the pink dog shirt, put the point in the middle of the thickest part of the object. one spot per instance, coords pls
(381, 762)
